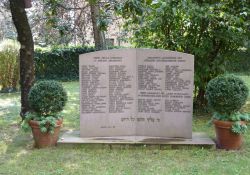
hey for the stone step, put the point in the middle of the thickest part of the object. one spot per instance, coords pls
(198, 139)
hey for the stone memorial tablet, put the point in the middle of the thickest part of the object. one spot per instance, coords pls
(136, 92)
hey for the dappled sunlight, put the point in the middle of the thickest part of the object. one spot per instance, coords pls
(74, 99)
(72, 103)
(3, 147)
(246, 107)
(12, 162)
(72, 166)
(2, 112)
(67, 112)
(246, 79)
(10, 115)
(70, 108)
(21, 153)
(9, 107)
(72, 90)
(71, 112)
(72, 95)
(5, 103)
(6, 137)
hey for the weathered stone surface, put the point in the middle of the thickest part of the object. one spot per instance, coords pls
(136, 92)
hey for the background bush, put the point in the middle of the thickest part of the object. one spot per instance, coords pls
(47, 97)
(59, 63)
(226, 94)
(239, 62)
(63, 63)
(9, 65)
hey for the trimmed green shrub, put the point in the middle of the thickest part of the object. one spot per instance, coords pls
(226, 94)
(59, 63)
(47, 97)
(9, 65)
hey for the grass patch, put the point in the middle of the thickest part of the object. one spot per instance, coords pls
(17, 155)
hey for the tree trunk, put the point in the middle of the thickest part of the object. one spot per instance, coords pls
(98, 35)
(201, 97)
(25, 38)
(200, 101)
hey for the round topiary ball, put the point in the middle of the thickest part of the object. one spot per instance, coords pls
(226, 94)
(47, 97)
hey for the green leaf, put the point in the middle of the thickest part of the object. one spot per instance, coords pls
(239, 128)
(43, 129)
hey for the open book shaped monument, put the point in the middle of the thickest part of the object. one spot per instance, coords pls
(136, 92)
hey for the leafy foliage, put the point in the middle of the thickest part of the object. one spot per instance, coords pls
(47, 97)
(210, 30)
(64, 22)
(226, 94)
(239, 128)
(9, 65)
(59, 63)
(237, 116)
(46, 123)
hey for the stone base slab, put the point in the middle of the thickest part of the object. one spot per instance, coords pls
(198, 139)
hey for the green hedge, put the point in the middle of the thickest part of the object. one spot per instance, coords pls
(59, 63)
(63, 63)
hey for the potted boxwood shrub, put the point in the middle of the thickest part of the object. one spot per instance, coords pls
(46, 100)
(226, 94)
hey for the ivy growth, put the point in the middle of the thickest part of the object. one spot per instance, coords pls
(46, 123)
(238, 126)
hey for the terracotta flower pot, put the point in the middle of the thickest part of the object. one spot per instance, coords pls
(226, 139)
(43, 140)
